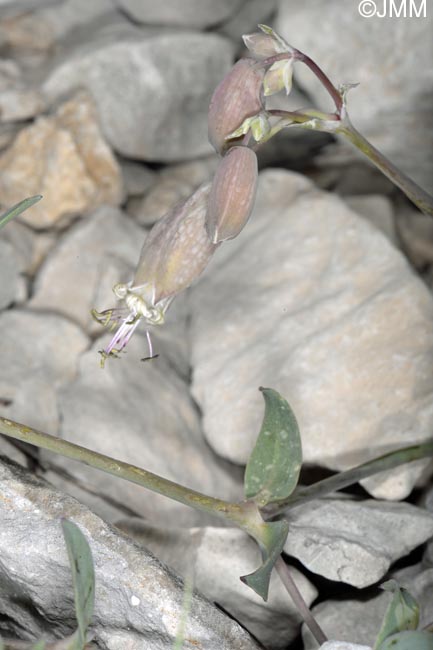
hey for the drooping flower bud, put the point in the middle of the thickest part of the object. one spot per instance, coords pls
(267, 44)
(238, 96)
(174, 254)
(232, 194)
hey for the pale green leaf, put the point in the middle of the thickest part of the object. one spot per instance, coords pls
(83, 578)
(418, 640)
(402, 613)
(272, 471)
(15, 210)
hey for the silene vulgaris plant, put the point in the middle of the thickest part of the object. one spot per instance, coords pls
(176, 252)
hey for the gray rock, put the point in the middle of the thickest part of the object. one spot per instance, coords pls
(9, 274)
(378, 210)
(38, 26)
(371, 51)
(17, 101)
(141, 413)
(415, 230)
(157, 109)
(249, 14)
(360, 620)
(217, 557)
(191, 13)
(137, 178)
(92, 256)
(313, 301)
(68, 15)
(32, 344)
(20, 104)
(350, 541)
(138, 603)
(22, 240)
(174, 183)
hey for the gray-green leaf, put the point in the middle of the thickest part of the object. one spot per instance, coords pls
(418, 640)
(402, 613)
(83, 578)
(272, 471)
(15, 210)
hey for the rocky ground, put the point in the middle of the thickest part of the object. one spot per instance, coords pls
(325, 296)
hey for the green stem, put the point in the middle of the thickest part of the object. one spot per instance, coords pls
(344, 479)
(416, 194)
(236, 512)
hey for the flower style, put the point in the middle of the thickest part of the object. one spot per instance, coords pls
(175, 253)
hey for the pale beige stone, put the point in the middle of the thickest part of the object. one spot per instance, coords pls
(65, 158)
(313, 301)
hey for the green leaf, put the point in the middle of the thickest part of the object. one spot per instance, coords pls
(271, 541)
(83, 578)
(418, 640)
(39, 646)
(402, 613)
(272, 471)
(15, 210)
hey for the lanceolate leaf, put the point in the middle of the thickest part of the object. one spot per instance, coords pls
(418, 640)
(272, 471)
(83, 578)
(15, 210)
(271, 542)
(402, 613)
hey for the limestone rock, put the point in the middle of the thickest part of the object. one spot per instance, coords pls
(391, 105)
(9, 274)
(350, 541)
(378, 210)
(139, 602)
(137, 178)
(198, 14)
(314, 302)
(157, 109)
(38, 26)
(101, 250)
(30, 342)
(248, 15)
(141, 413)
(175, 183)
(415, 230)
(20, 104)
(64, 158)
(217, 557)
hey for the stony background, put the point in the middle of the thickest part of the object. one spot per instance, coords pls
(325, 296)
